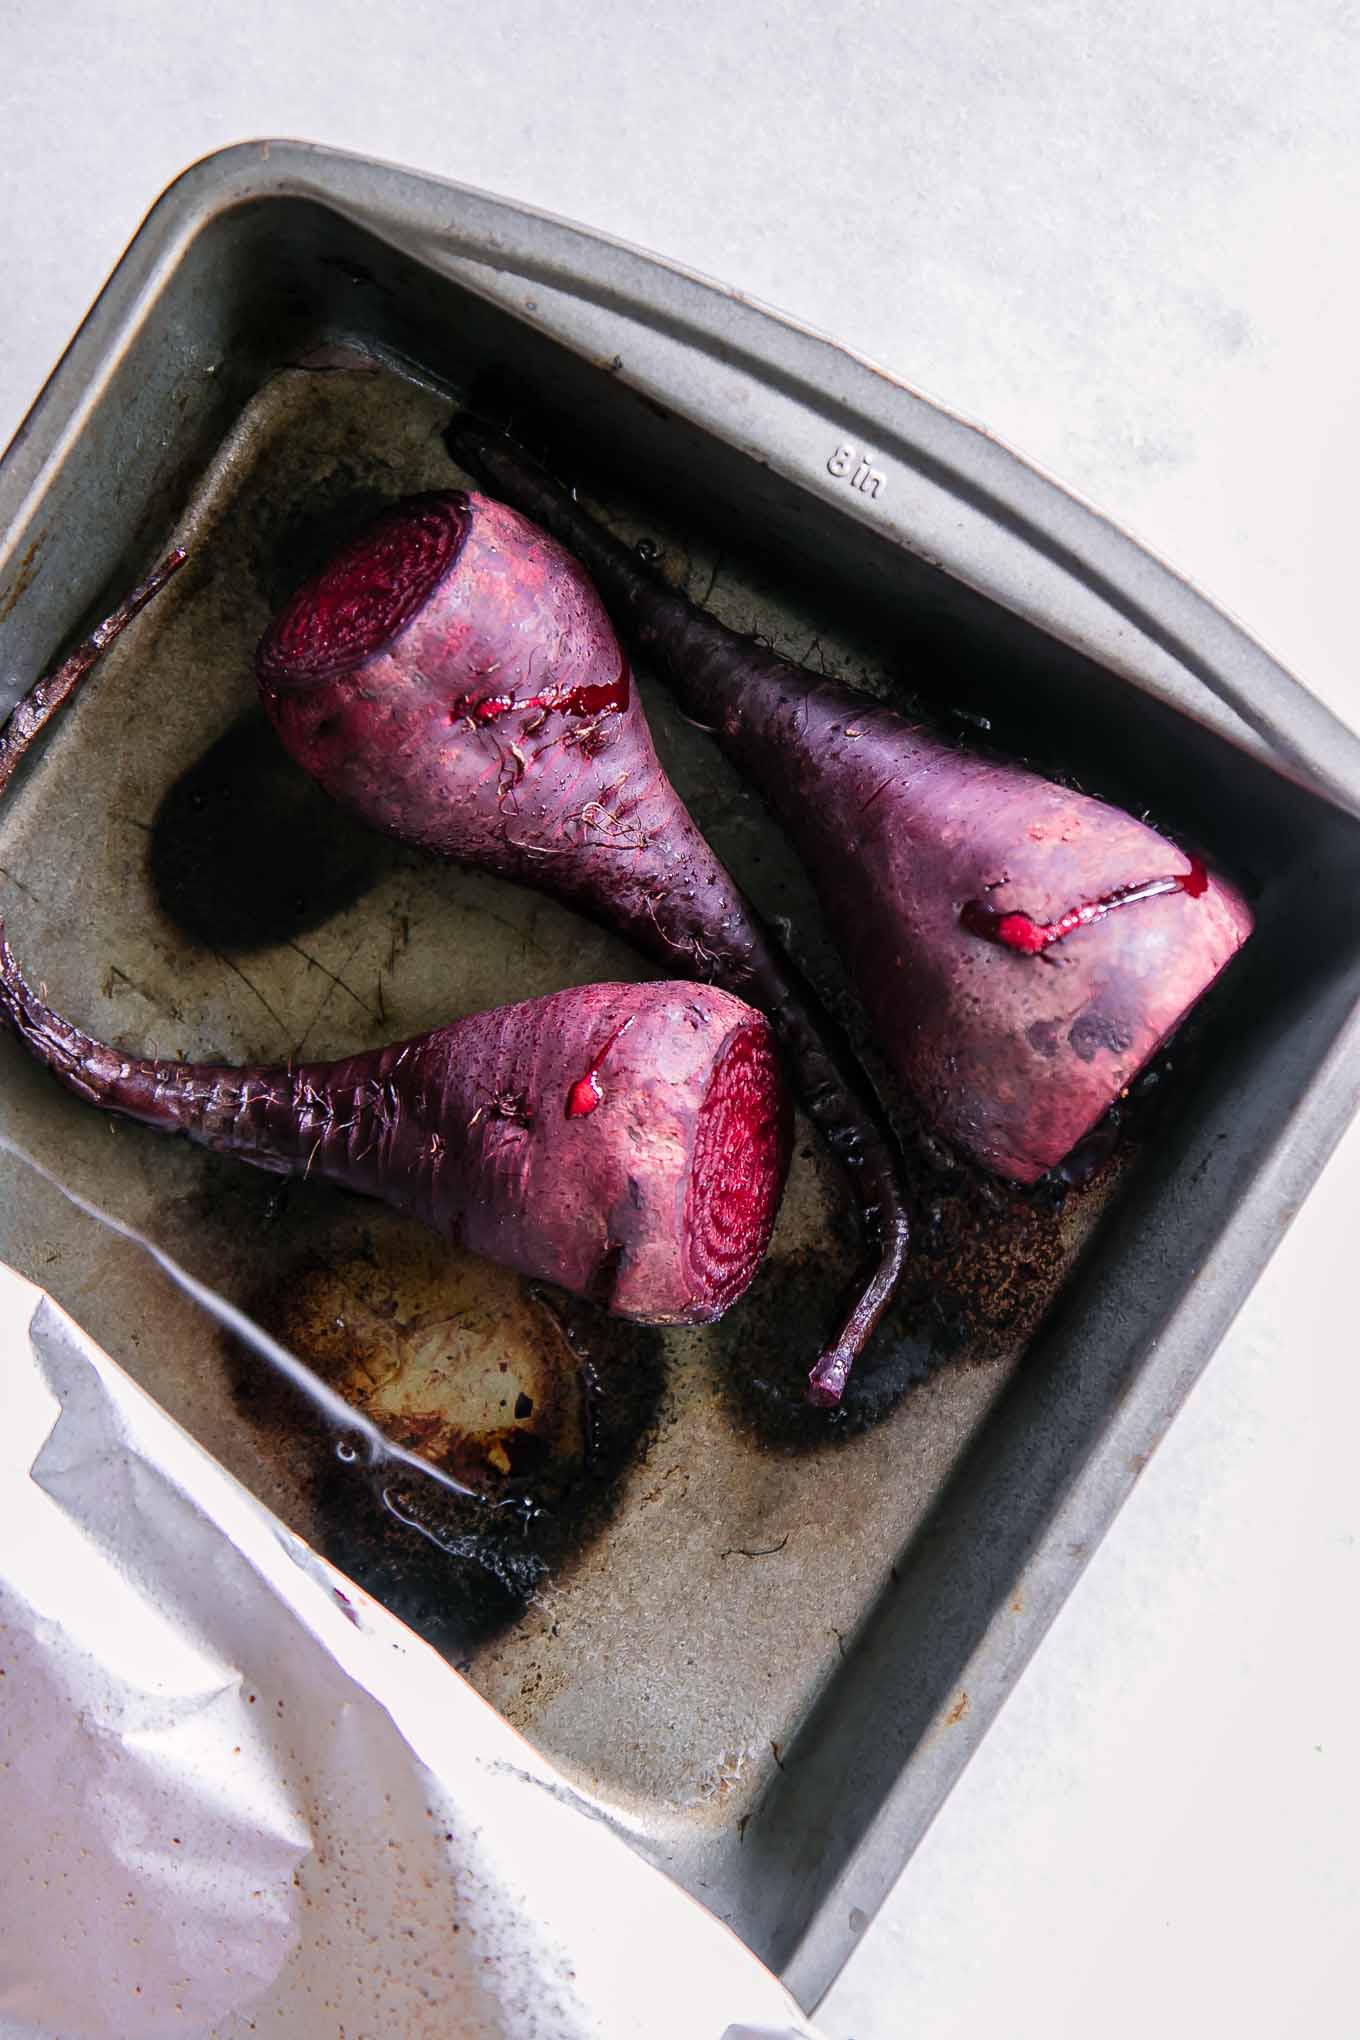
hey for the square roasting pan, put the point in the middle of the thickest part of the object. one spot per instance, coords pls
(770, 1658)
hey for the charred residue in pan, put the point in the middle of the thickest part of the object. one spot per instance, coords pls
(534, 1402)
(988, 1260)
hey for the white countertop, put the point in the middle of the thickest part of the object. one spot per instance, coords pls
(1123, 240)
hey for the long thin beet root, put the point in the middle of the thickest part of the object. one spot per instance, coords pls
(452, 677)
(1021, 949)
(47, 695)
(658, 1202)
(659, 1206)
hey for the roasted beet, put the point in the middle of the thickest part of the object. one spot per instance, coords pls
(1021, 949)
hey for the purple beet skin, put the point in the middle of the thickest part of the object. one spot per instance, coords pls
(452, 677)
(1021, 950)
(627, 1142)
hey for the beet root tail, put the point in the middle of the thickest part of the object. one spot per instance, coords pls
(44, 699)
(62, 1047)
(827, 1380)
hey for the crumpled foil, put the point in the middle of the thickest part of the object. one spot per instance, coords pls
(238, 1797)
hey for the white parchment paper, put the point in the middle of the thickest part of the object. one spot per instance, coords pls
(237, 1797)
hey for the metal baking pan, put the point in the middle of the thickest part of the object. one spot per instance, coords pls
(766, 1651)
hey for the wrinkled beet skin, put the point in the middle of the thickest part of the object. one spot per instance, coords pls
(585, 810)
(1014, 1057)
(466, 1129)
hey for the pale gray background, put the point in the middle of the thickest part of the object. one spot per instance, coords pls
(1124, 239)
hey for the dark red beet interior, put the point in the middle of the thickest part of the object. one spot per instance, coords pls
(588, 1092)
(740, 1153)
(608, 697)
(362, 597)
(1030, 937)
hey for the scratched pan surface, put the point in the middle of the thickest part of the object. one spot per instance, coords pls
(765, 1646)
